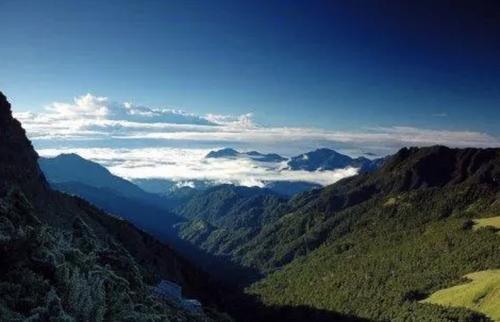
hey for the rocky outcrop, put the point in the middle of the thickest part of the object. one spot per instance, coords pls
(17, 156)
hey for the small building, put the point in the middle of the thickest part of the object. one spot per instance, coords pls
(172, 292)
(168, 291)
(192, 305)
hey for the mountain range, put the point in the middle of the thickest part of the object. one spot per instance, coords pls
(317, 160)
(385, 245)
(75, 175)
(327, 159)
(272, 237)
(254, 155)
(377, 244)
(373, 245)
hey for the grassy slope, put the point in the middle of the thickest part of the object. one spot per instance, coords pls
(487, 222)
(481, 294)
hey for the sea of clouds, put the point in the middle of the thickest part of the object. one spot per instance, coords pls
(136, 141)
(185, 165)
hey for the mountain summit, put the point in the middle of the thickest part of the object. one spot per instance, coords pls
(327, 159)
(254, 155)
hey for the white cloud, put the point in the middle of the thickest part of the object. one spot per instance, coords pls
(91, 117)
(185, 165)
(148, 136)
(241, 121)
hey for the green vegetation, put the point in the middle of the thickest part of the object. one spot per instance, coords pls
(376, 245)
(481, 293)
(61, 259)
(493, 222)
(385, 259)
(371, 246)
(225, 217)
(70, 275)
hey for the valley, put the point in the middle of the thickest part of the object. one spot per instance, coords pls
(249, 161)
(367, 246)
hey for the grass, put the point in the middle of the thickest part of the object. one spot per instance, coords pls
(487, 222)
(390, 202)
(481, 294)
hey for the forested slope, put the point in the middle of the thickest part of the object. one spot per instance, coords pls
(64, 260)
(377, 244)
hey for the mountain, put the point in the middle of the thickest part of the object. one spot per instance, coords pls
(155, 185)
(254, 155)
(61, 259)
(174, 191)
(377, 244)
(75, 175)
(290, 188)
(327, 159)
(73, 168)
(225, 217)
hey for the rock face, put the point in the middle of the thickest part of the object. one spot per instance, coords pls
(17, 155)
(61, 259)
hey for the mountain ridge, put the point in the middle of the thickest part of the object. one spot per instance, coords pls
(386, 239)
(32, 213)
(254, 155)
(328, 159)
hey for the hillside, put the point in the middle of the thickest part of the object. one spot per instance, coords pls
(75, 175)
(376, 244)
(72, 168)
(64, 260)
(141, 213)
(223, 218)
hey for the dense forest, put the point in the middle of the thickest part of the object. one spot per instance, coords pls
(374, 245)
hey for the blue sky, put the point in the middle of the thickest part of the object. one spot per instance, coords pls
(148, 88)
(328, 64)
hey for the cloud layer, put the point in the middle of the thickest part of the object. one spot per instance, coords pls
(184, 165)
(135, 141)
(97, 118)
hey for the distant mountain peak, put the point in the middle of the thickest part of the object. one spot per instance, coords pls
(328, 159)
(70, 156)
(254, 155)
(223, 153)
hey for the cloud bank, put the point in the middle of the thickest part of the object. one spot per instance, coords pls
(184, 165)
(136, 141)
(91, 117)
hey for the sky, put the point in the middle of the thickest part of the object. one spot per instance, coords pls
(277, 76)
